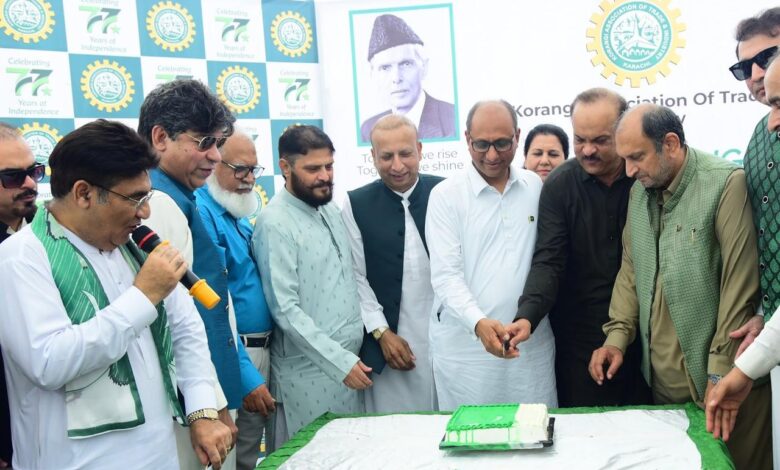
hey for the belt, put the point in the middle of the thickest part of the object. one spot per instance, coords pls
(255, 342)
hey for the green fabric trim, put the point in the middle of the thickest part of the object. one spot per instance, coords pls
(714, 454)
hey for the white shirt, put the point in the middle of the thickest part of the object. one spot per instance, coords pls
(415, 113)
(481, 243)
(44, 351)
(394, 390)
(764, 354)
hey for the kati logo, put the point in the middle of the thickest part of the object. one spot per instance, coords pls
(101, 19)
(262, 200)
(233, 29)
(107, 85)
(36, 81)
(297, 89)
(41, 139)
(171, 26)
(635, 40)
(26, 20)
(239, 89)
(291, 34)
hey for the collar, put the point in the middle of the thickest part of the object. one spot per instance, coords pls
(585, 176)
(290, 199)
(187, 192)
(478, 183)
(405, 195)
(415, 114)
(10, 231)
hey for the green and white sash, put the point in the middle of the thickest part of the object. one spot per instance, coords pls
(103, 400)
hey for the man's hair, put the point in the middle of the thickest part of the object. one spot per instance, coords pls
(298, 140)
(659, 121)
(392, 122)
(766, 23)
(102, 153)
(9, 132)
(548, 129)
(479, 104)
(183, 105)
(593, 95)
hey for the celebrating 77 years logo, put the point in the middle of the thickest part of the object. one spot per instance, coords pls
(36, 81)
(101, 19)
(233, 29)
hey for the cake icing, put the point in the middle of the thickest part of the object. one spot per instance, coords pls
(510, 424)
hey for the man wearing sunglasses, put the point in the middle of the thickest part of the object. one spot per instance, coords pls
(758, 39)
(186, 124)
(19, 177)
(481, 228)
(225, 205)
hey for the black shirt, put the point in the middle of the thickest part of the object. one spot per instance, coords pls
(578, 254)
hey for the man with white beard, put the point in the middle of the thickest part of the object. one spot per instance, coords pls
(224, 204)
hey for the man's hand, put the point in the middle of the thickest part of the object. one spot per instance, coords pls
(397, 352)
(211, 441)
(748, 331)
(723, 401)
(357, 378)
(605, 354)
(260, 401)
(493, 336)
(227, 420)
(160, 273)
(519, 331)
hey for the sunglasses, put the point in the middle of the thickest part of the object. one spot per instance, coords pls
(206, 142)
(743, 69)
(482, 146)
(12, 179)
(242, 171)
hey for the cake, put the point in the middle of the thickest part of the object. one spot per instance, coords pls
(498, 426)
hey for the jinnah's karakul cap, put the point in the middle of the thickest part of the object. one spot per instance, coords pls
(390, 31)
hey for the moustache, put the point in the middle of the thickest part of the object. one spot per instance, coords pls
(25, 193)
(325, 184)
(245, 186)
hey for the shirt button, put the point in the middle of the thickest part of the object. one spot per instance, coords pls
(770, 165)
(760, 231)
(231, 342)
(761, 266)
(765, 199)
(765, 298)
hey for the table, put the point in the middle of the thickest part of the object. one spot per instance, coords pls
(668, 437)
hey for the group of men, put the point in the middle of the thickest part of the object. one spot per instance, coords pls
(627, 278)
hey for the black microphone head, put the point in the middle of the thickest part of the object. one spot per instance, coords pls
(145, 238)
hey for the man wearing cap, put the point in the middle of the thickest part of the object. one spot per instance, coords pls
(399, 65)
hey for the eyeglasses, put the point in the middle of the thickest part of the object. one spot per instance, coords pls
(207, 141)
(12, 179)
(138, 202)
(482, 146)
(743, 69)
(242, 171)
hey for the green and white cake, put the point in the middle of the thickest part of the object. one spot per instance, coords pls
(507, 426)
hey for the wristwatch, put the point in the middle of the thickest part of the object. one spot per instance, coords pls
(205, 413)
(714, 378)
(379, 332)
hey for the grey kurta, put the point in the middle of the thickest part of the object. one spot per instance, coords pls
(312, 294)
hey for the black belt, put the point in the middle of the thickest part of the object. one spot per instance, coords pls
(256, 342)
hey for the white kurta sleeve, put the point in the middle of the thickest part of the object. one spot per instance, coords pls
(370, 309)
(442, 231)
(47, 346)
(764, 354)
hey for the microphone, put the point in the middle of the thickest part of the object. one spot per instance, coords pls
(147, 240)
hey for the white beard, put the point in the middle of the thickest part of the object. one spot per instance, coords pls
(239, 205)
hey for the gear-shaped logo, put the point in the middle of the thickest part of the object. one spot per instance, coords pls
(239, 89)
(107, 85)
(27, 20)
(41, 138)
(291, 33)
(262, 201)
(635, 40)
(170, 26)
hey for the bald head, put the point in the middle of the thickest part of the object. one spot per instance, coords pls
(391, 122)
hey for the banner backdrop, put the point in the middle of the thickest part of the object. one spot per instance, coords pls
(277, 63)
(538, 56)
(64, 63)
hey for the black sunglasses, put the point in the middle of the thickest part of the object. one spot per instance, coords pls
(208, 141)
(743, 69)
(12, 179)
